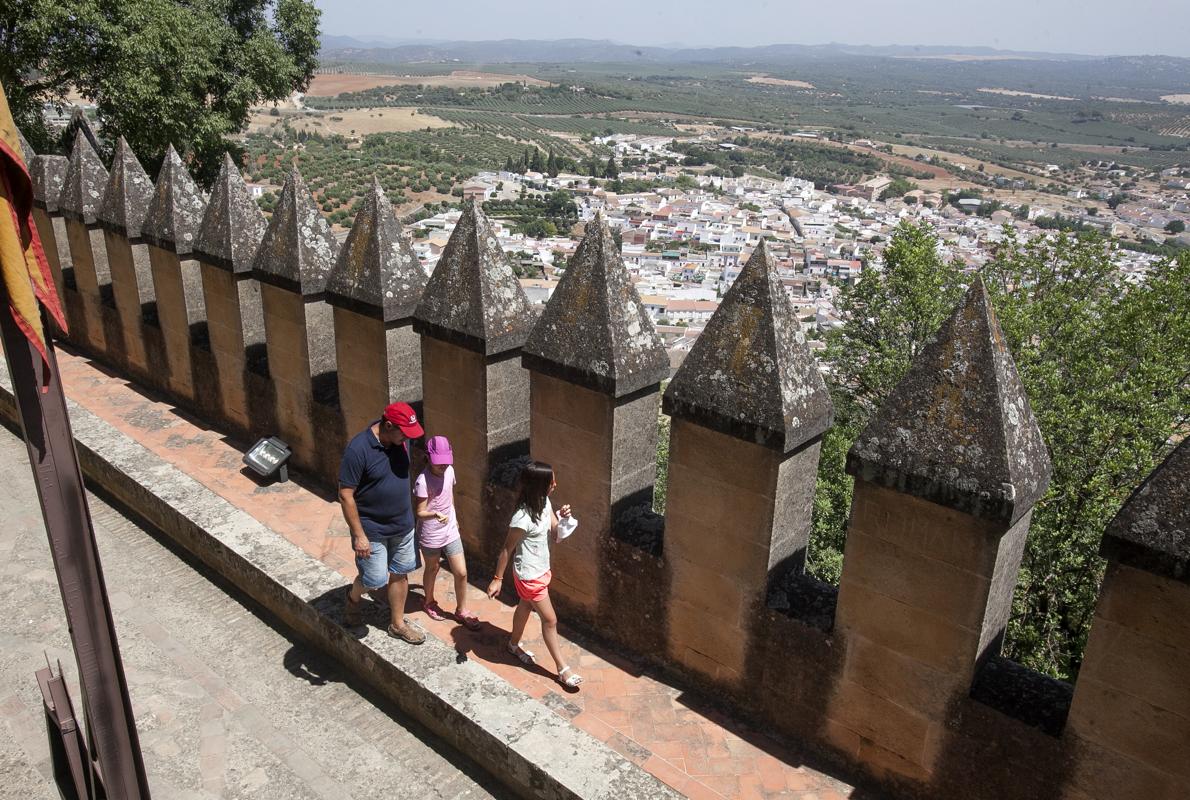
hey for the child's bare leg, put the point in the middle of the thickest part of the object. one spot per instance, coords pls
(429, 575)
(458, 568)
(549, 629)
(520, 618)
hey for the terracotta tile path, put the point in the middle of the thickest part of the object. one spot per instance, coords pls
(697, 751)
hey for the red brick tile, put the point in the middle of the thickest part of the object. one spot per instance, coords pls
(697, 790)
(725, 785)
(665, 771)
(594, 726)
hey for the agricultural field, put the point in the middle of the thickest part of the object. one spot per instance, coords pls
(351, 123)
(525, 126)
(330, 84)
(414, 167)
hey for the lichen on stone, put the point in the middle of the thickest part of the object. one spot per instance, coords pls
(84, 182)
(176, 210)
(128, 193)
(377, 271)
(298, 249)
(473, 298)
(48, 174)
(233, 225)
(1152, 529)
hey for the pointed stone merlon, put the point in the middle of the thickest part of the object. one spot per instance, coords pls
(958, 430)
(595, 364)
(121, 215)
(749, 407)
(82, 193)
(473, 299)
(375, 287)
(1131, 705)
(292, 264)
(228, 238)
(473, 319)
(48, 174)
(171, 229)
(947, 473)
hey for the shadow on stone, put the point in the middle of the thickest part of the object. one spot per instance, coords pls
(313, 669)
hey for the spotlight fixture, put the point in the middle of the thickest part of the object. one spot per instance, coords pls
(269, 458)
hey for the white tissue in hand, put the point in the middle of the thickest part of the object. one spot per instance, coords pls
(566, 526)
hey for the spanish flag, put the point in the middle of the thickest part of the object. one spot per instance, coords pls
(23, 265)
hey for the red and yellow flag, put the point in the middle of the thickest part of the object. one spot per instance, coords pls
(23, 266)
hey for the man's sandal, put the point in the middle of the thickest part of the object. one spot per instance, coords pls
(408, 633)
(353, 615)
(523, 655)
(572, 681)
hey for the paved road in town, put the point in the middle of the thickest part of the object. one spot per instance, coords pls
(227, 704)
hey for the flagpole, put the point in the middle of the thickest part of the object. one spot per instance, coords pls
(111, 726)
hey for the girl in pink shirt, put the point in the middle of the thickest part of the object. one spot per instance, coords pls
(438, 530)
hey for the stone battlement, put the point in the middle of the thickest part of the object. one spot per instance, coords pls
(270, 327)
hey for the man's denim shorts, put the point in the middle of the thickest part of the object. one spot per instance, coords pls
(390, 554)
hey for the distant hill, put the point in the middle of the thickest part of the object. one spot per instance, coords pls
(591, 50)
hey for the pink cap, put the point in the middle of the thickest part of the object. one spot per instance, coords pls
(438, 448)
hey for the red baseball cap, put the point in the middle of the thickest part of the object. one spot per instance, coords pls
(404, 417)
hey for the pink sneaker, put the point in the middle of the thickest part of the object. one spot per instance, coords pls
(468, 619)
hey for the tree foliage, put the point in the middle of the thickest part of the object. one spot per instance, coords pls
(1105, 364)
(159, 72)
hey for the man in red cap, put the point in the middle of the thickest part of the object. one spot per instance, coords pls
(374, 492)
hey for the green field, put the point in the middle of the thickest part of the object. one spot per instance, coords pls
(881, 98)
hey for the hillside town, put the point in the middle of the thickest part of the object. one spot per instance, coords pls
(684, 245)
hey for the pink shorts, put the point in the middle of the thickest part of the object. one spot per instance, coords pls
(532, 590)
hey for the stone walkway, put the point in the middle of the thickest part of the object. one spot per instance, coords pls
(672, 734)
(227, 705)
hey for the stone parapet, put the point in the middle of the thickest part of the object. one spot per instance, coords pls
(231, 232)
(171, 229)
(1131, 704)
(375, 286)
(897, 674)
(292, 264)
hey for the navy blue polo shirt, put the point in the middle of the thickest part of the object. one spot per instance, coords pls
(380, 477)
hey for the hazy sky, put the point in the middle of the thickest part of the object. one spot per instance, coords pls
(1123, 27)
